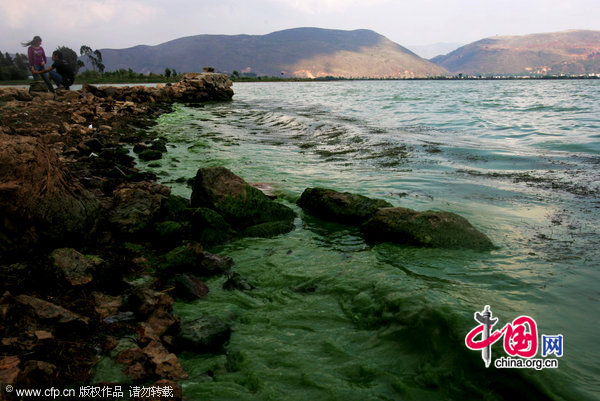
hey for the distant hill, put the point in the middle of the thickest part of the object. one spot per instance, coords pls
(568, 52)
(300, 52)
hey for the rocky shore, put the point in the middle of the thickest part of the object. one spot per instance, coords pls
(91, 253)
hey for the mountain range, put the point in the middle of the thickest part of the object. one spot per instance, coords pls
(316, 52)
(299, 52)
(569, 52)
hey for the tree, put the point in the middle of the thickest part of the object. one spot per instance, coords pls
(167, 72)
(95, 57)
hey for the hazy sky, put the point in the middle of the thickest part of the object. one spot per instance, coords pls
(125, 23)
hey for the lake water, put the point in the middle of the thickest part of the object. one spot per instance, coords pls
(334, 318)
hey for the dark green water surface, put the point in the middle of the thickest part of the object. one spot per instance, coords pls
(333, 318)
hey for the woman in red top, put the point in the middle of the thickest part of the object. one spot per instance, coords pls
(37, 59)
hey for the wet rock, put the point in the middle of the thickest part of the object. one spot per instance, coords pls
(236, 282)
(139, 148)
(207, 334)
(39, 199)
(174, 207)
(430, 229)
(188, 287)
(137, 205)
(169, 233)
(209, 227)
(165, 364)
(78, 269)
(240, 204)
(150, 154)
(182, 259)
(341, 207)
(269, 229)
(119, 317)
(212, 264)
(48, 311)
(106, 305)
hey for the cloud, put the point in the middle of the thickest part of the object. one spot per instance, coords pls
(69, 14)
(327, 6)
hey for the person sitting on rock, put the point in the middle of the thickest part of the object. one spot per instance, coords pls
(37, 60)
(60, 72)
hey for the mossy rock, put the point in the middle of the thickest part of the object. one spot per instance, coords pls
(240, 204)
(180, 259)
(207, 334)
(339, 207)
(428, 229)
(270, 229)
(209, 227)
(150, 154)
(169, 232)
(174, 207)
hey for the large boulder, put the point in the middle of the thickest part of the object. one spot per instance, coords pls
(77, 269)
(201, 87)
(341, 207)
(430, 229)
(40, 201)
(137, 205)
(240, 204)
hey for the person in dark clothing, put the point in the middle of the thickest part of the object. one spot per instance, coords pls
(60, 72)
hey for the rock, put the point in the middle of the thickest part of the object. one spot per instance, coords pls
(209, 227)
(9, 370)
(119, 317)
(211, 264)
(340, 207)
(8, 94)
(137, 205)
(150, 154)
(39, 199)
(196, 87)
(188, 287)
(165, 364)
(130, 356)
(48, 311)
(236, 282)
(240, 204)
(155, 326)
(139, 148)
(77, 269)
(146, 301)
(207, 334)
(38, 86)
(174, 207)
(37, 373)
(169, 233)
(182, 259)
(106, 305)
(269, 229)
(430, 228)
